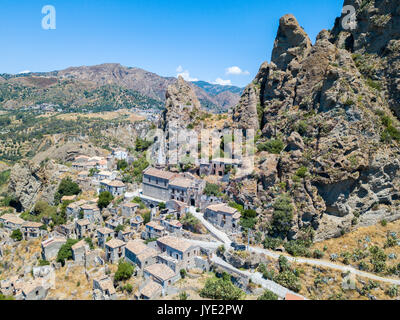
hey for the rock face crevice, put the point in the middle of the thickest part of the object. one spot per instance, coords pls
(331, 104)
(30, 182)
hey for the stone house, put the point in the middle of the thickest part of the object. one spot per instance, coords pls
(186, 189)
(129, 209)
(125, 235)
(51, 246)
(155, 183)
(33, 290)
(102, 235)
(150, 290)
(79, 251)
(161, 274)
(172, 226)
(73, 209)
(136, 252)
(83, 228)
(120, 154)
(180, 208)
(219, 166)
(91, 212)
(115, 250)
(114, 222)
(153, 230)
(105, 175)
(136, 222)
(7, 287)
(31, 230)
(105, 288)
(11, 221)
(115, 187)
(182, 251)
(66, 230)
(223, 216)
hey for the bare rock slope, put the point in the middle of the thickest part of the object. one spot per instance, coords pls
(334, 106)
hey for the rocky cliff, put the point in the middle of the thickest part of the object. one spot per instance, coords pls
(333, 106)
(31, 182)
(181, 104)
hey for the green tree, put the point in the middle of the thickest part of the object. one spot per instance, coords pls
(122, 165)
(220, 289)
(66, 188)
(65, 252)
(183, 273)
(212, 189)
(268, 295)
(105, 199)
(16, 235)
(282, 216)
(124, 272)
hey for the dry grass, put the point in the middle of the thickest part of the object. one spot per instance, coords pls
(72, 285)
(333, 289)
(111, 115)
(357, 240)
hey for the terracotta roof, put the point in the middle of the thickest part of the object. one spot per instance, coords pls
(221, 207)
(150, 289)
(181, 182)
(82, 157)
(106, 284)
(174, 223)
(105, 230)
(12, 218)
(149, 252)
(115, 243)
(83, 222)
(175, 243)
(291, 296)
(53, 240)
(89, 206)
(31, 224)
(68, 198)
(160, 271)
(116, 184)
(236, 216)
(136, 246)
(155, 225)
(79, 244)
(159, 173)
(76, 204)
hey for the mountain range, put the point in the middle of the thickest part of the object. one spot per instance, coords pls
(91, 86)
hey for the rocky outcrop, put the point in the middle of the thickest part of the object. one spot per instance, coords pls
(330, 105)
(291, 43)
(181, 105)
(30, 182)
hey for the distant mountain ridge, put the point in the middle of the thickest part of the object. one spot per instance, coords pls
(150, 85)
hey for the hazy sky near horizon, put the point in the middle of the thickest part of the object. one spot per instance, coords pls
(217, 41)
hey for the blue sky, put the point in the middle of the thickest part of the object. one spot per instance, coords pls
(200, 39)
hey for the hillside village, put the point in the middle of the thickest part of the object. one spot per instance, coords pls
(150, 228)
(99, 209)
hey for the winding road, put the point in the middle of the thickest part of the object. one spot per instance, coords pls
(224, 239)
